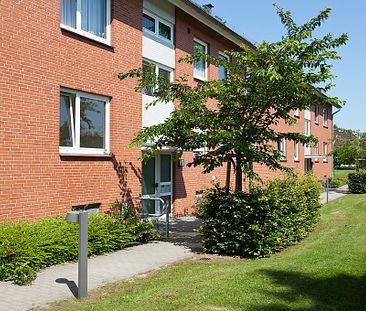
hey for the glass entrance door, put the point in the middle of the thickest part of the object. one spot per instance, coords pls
(157, 183)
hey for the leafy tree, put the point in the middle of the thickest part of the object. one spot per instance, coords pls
(263, 87)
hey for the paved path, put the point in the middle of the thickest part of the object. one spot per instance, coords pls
(334, 194)
(58, 282)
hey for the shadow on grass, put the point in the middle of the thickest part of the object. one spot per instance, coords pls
(341, 292)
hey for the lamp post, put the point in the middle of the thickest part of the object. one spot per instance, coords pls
(81, 218)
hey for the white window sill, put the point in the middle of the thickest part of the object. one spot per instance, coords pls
(83, 153)
(199, 78)
(87, 35)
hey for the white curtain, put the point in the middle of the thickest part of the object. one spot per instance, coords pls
(93, 15)
(68, 13)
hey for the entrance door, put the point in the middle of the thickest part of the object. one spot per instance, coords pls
(308, 165)
(157, 183)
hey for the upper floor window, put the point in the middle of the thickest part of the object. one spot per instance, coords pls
(325, 117)
(297, 112)
(90, 18)
(282, 148)
(325, 152)
(156, 26)
(200, 66)
(222, 70)
(307, 127)
(296, 151)
(84, 123)
(159, 70)
(316, 112)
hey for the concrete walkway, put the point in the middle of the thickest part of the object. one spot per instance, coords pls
(334, 194)
(59, 282)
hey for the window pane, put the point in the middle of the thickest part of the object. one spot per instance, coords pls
(199, 65)
(165, 31)
(67, 101)
(222, 69)
(165, 168)
(164, 73)
(148, 22)
(93, 17)
(92, 123)
(68, 13)
(148, 68)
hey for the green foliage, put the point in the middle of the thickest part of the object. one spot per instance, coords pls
(357, 182)
(264, 85)
(350, 148)
(262, 222)
(28, 246)
(336, 182)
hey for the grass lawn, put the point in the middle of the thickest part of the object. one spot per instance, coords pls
(327, 271)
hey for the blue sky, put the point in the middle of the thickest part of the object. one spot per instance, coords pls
(258, 21)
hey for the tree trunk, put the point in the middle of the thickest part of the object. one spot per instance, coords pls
(228, 175)
(239, 175)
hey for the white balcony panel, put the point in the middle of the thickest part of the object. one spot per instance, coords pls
(158, 52)
(155, 114)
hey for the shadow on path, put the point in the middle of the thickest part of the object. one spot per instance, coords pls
(70, 284)
(183, 232)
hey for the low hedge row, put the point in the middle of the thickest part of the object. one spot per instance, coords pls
(357, 182)
(28, 246)
(262, 222)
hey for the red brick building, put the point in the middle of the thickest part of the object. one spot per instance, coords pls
(66, 120)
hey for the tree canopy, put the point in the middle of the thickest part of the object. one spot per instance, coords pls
(263, 86)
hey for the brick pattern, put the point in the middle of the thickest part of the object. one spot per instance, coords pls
(37, 59)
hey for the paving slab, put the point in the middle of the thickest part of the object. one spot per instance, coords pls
(59, 282)
(334, 194)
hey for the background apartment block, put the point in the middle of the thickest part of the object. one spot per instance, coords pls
(66, 120)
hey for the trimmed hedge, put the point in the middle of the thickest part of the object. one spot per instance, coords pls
(357, 182)
(262, 222)
(28, 246)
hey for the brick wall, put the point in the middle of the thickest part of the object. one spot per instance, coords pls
(37, 59)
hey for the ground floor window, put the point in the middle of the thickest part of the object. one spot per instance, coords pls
(84, 123)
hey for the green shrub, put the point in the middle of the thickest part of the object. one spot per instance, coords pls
(262, 222)
(357, 182)
(336, 182)
(28, 246)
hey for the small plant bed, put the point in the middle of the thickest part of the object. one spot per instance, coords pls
(326, 271)
(28, 246)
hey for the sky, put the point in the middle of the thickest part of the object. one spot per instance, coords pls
(257, 21)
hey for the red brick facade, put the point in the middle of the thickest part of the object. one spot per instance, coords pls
(37, 59)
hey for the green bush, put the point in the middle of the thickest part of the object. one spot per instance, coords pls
(357, 182)
(336, 182)
(262, 222)
(28, 246)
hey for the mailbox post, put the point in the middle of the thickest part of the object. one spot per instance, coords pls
(81, 218)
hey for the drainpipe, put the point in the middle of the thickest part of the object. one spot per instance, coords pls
(333, 114)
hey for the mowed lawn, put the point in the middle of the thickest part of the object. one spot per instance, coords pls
(326, 271)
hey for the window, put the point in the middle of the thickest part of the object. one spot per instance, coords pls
(159, 70)
(325, 152)
(297, 112)
(282, 149)
(90, 18)
(84, 123)
(222, 70)
(156, 26)
(200, 66)
(307, 128)
(316, 151)
(325, 117)
(296, 151)
(316, 111)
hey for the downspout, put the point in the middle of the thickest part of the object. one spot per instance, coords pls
(333, 114)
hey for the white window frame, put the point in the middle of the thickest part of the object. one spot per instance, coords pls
(325, 117)
(282, 149)
(325, 152)
(316, 114)
(78, 30)
(77, 150)
(296, 151)
(222, 54)
(307, 129)
(316, 151)
(297, 112)
(157, 67)
(205, 45)
(157, 21)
